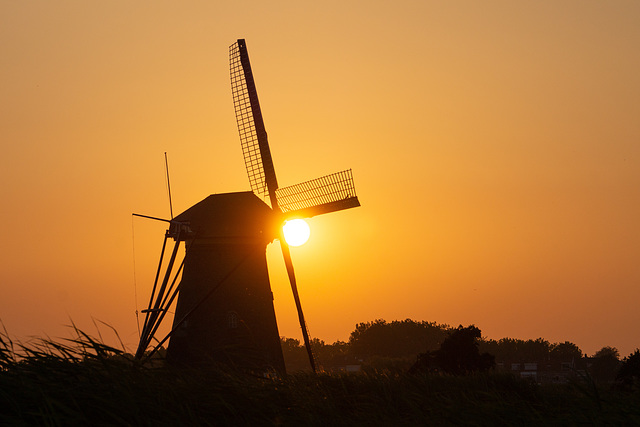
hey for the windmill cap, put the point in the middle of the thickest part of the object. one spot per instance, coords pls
(233, 217)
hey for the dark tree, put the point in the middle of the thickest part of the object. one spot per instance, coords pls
(629, 373)
(565, 352)
(396, 339)
(328, 357)
(331, 356)
(604, 365)
(503, 349)
(458, 354)
(535, 350)
(295, 355)
(517, 350)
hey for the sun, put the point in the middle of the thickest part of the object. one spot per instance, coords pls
(296, 232)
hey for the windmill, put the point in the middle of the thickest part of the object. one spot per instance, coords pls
(225, 306)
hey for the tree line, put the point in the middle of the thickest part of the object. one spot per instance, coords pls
(400, 344)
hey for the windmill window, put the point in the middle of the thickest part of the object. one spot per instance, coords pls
(232, 320)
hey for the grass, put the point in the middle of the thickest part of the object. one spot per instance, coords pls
(84, 382)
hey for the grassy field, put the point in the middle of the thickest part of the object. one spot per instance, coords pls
(82, 382)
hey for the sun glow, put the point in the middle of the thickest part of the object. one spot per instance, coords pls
(296, 232)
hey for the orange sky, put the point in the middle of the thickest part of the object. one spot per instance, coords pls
(495, 147)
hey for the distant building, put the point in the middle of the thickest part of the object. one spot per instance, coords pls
(544, 372)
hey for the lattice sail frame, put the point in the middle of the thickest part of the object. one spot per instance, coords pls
(253, 136)
(329, 193)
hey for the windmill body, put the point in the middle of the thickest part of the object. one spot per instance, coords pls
(226, 253)
(225, 306)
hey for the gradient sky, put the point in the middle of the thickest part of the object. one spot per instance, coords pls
(495, 147)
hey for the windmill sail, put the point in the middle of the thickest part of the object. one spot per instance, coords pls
(253, 136)
(322, 195)
(329, 193)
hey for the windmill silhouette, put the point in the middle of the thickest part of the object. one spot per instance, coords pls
(225, 308)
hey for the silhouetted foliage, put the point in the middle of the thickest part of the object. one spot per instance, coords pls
(550, 357)
(377, 346)
(404, 338)
(510, 349)
(295, 355)
(328, 357)
(629, 373)
(458, 354)
(331, 356)
(566, 351)
(393, 347)
(604, 365)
